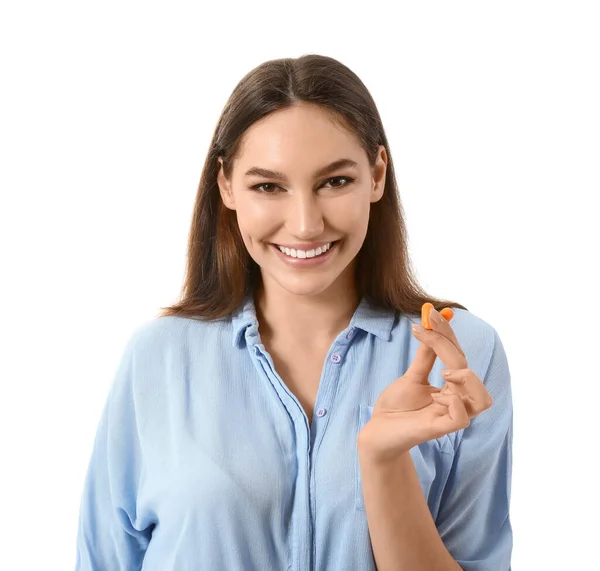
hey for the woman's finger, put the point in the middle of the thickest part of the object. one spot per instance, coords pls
(422, 363)
(466, 384)
(441, 325)
(444, 348)
(453, 414)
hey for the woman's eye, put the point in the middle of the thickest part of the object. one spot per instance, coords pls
(257, 187)
(348, 179)
(262, 186)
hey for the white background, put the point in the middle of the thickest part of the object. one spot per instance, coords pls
(106, 114)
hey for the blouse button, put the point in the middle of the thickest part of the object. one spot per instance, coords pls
(336, 357)
(321, 412)
(350, 333)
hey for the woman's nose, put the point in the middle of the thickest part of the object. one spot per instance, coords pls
(304, 216)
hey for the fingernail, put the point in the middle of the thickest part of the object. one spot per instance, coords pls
(447, 373)
(417, 328)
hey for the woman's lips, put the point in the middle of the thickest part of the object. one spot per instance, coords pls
(313, 261)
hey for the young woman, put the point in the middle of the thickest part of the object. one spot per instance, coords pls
(284, 415)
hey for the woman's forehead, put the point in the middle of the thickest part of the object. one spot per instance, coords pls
(302, 145)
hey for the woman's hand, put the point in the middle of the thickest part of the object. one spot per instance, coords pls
(410, 411)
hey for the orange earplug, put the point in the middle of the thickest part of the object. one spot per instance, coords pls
(446, 313)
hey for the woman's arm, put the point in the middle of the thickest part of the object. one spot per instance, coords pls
(403, 533)
(109, 534)
(472, 530)
(474, 517)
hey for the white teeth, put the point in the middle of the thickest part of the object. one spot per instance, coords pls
(305, 254)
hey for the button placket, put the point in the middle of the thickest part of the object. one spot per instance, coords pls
(335, 358)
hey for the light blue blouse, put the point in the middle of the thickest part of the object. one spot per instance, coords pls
(204, 460)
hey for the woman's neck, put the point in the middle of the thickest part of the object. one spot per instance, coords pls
(311, 321)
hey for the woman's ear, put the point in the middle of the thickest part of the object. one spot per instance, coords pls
(379, 171)
(225, 187)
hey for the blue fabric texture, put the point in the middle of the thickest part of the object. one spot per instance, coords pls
(203, 459)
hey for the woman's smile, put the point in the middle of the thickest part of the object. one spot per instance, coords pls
(310, 258)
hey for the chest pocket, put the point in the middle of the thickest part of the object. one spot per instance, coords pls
(427, 457)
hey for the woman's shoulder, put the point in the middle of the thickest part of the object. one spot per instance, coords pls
(168, 332)
(472, 324)
(162, 350)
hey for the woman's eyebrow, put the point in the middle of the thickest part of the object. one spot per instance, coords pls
(335, 165)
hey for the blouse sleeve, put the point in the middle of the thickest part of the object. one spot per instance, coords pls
(109, 534)
(473, 519)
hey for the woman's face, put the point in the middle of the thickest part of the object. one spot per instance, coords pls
(303, 206)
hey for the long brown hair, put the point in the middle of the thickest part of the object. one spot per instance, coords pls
(219, 271)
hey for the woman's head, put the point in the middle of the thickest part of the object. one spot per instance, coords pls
(306, 203)
(296, 115)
